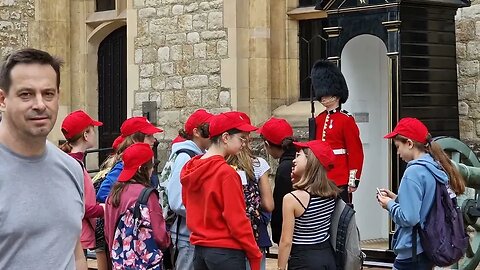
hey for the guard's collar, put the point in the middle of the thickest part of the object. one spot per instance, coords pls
(334, 110)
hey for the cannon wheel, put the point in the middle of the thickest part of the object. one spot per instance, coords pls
(461, 153)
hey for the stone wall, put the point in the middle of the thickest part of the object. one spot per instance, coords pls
(468, 59)
(14, 20)
(15, 16)
(178, 48)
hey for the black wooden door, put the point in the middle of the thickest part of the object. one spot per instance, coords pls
(112, 86)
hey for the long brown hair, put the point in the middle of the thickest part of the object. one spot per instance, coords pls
(244, 160)
(140, 177)
(457, 184)
(315, 178)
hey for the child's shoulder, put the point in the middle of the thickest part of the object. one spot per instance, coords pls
(299, 193)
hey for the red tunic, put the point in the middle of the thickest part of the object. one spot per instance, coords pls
(338, 128)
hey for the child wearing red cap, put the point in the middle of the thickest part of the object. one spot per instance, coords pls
(196, 140)
(277, 135)
(426, 164)
(213, 198)
(78, 129)
(257, 192)
(307, 211)
(134, 177)
(133, 130)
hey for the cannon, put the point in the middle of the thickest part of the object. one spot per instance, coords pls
(468, 165)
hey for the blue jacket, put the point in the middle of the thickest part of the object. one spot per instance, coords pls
(415, 197)
(110, 180)
(174, 187)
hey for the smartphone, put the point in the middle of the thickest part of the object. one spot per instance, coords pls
(379, 192)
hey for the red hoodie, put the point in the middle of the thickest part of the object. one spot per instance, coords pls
(213, 197)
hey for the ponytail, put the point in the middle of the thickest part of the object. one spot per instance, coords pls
(66, 147)
(182, 133)
(457, 184)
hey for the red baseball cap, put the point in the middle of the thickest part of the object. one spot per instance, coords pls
(322, 151)
(117, 142)
(244, 116)
(275, 130)
(411, 128)
(133, 157)
(197, 118)
(138, 124)
(229, 120)
(77, 122)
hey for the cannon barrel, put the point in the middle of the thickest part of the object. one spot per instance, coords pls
(471, 175)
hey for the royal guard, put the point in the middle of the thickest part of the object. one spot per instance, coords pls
(337, 127)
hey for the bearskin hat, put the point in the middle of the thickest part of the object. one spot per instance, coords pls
(327, 80)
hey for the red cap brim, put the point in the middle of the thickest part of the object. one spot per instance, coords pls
(126, 174)
(390, 135)
(97, 123)
(246, 128)
(300, 145)
(150, 130)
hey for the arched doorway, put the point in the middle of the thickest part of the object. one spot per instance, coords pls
(112, 86)
(365, 65)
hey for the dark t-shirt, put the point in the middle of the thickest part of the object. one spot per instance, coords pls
(283, 185)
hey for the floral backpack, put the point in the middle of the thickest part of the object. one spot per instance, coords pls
(133, 244)
(251, 192)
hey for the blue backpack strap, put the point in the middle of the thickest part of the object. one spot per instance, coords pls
(142, 199)
(189, 152)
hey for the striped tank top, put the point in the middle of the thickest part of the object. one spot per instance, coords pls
(313, 226)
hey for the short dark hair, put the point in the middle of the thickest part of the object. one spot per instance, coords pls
(27, 56)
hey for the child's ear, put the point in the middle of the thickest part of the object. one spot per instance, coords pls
(410, 144)
(224, 137)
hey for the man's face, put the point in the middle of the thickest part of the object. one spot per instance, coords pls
(30, 108)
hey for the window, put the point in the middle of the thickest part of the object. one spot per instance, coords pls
(104, 5)
(313, 46)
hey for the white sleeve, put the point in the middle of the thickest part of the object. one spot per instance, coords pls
(260, 167)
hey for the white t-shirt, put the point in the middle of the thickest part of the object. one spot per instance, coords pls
(260, 167)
